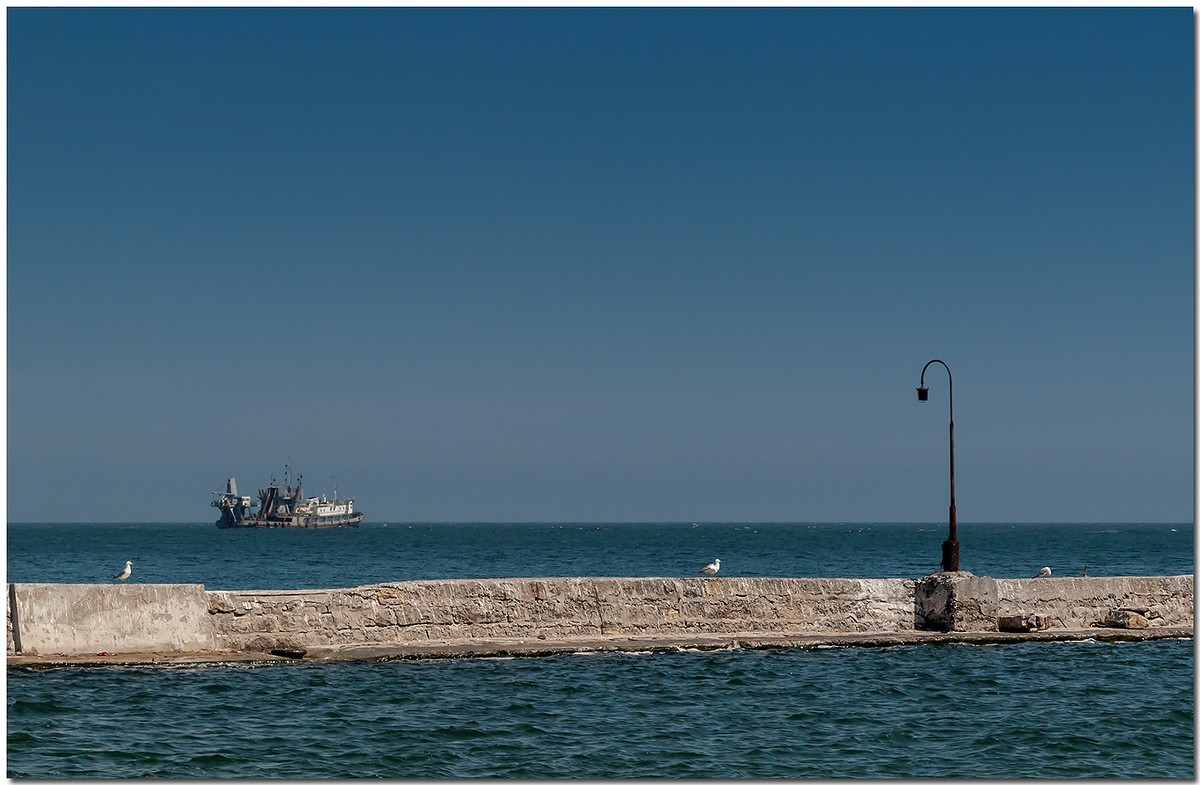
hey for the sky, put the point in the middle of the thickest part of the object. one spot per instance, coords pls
(602, 264)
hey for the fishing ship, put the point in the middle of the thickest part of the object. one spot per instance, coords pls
(283, 507)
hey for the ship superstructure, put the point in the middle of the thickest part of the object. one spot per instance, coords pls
(283, 506)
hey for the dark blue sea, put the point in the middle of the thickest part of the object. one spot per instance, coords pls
(1038, 710)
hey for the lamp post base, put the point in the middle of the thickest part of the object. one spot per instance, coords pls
(950, 556)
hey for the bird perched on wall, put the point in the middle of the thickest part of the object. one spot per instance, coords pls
(123, 574)
(1043, 573)
(711, 569)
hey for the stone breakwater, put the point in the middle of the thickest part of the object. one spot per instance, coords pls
(90, 619)
(558, 608)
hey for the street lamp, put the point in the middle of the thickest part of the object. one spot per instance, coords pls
(950, 546)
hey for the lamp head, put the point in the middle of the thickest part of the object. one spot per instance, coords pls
(922, 393)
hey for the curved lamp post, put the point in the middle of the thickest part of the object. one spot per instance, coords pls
(950, 546)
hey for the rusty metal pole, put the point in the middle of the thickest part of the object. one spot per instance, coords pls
(950, 546)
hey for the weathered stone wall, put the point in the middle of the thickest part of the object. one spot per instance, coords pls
(558, 608)
(1091, 602)
(962, 602)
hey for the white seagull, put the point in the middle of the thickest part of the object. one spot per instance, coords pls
(711, 569)
(123, 574)
(1043, 573)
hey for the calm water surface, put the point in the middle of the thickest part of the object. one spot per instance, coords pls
(379, 552)
(1023, 710)
(1056, 710)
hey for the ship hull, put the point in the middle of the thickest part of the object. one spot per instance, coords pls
(293, 522)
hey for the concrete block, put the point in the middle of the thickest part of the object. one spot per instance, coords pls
(956, 602)
(1022, 623)
(83, 618)
(1125, 620)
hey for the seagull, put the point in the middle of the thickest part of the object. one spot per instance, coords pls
(711, 569)
(1043, 573)
(123, 574)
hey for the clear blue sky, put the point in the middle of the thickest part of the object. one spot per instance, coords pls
(602, 264)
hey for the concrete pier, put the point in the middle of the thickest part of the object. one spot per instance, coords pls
(92, 623)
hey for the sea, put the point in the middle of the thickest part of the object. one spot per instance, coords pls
(1052, 710)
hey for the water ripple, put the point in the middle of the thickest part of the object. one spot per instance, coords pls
(1025, 710)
